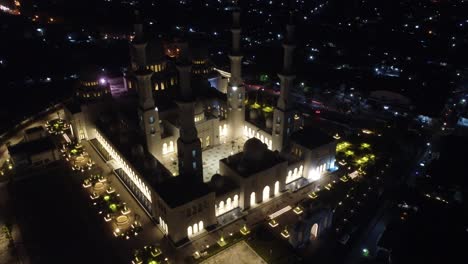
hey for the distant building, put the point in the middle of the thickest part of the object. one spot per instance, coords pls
(34, 153)
(34, 133)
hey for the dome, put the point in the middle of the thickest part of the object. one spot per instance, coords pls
(217, 180)
(137, 150)
(254, 150)
(198, 47)
(150, 164)
(199, 108)
(90, 73)
(253, 114)
(269, 122)
(154, 52)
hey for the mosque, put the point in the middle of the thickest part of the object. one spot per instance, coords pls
(187, 145)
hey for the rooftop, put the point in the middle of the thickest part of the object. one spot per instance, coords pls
(311, 138)
(177, 191)
(34, 130)
(32, 147)
(252, 160)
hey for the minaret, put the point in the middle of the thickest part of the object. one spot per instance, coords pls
(148, 113)
(188, 145)
(236, 90)
(283, 115)
(139, 44)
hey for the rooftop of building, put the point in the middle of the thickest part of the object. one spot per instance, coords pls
(32, 147)
(254, 158)
(221, 184)
(311, 138)
(34, 130)
(122, 129)
(180, 190)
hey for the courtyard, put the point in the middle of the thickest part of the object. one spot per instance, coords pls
(211, 157)
(238, 253)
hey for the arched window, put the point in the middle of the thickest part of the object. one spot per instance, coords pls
(171, 146)
(252, 199)
(314, 232)
(236, 201)
(189, 231)
(200, 226)
(195, 228)
(164, 150)
(276, 188)
(228, 204)
(221, 207)
(266, 194)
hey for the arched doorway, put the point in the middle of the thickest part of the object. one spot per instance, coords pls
(189, 231)
(221, 207)
(314, 231)
(276, 188)
(252, 199)
(236, 201)
(266, 194)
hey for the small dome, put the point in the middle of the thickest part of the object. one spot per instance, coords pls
(215, 111)
(154, 52)
(253, 114)
(269, 122)
(137, 150)
(217, 180)
(90, 73)
(199, 108)
(254, 150)
(150, 164)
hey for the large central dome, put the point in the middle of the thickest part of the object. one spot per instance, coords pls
(254, 150)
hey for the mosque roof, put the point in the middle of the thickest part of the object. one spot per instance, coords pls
(254, 158)
(180, 190)
(311, 138)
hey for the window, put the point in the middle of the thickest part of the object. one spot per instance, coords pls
(208, 141)
(194, 165)
(194, 153)
(151, 120)
(189, 231)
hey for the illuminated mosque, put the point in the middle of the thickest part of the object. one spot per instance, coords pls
(191, 154)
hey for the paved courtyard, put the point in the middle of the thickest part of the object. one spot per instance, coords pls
(211, 157)
(238, 254)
